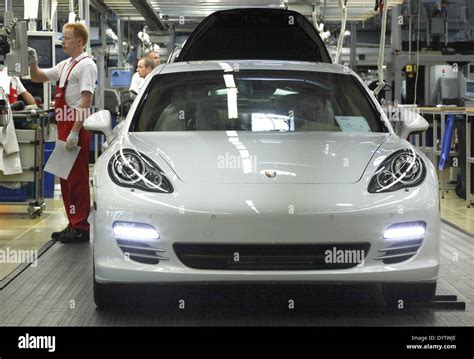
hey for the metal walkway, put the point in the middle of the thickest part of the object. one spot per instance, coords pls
(58, 292)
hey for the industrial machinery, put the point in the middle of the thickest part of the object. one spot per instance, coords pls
(14, 43)
(24, 188)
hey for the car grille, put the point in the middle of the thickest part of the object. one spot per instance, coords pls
(399, 252)
(141, 252)
(266, 257)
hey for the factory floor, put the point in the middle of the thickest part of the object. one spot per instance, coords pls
(455, 212)
(57, 289)
(19, 232)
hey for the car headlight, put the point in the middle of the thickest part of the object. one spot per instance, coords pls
(132, 230)
(402, 169)
(407, 230)
(129, 168)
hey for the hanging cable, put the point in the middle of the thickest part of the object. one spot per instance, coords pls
(381, 82)
(319, 27)
(409, 32)
(340, 41)
(314, 17)
(417, 51)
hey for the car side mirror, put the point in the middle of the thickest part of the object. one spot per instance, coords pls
(100, 122)
(411, 123)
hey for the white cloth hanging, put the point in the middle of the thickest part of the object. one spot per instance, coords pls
(10, 162)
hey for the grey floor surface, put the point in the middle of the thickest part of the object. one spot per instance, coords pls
(58, 292)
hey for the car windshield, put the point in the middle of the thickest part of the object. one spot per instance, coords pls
(286, 101)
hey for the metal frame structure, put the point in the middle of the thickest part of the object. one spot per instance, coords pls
(430, 113)
(469, 158)
(32, 140)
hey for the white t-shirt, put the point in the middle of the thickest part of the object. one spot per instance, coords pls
(17, 85)
(137, 83)
(13, 81)
(83, 77)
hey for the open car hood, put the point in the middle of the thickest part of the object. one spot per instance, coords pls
(263, 34)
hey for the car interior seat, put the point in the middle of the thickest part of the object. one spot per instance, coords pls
(317, 116)
(207, 116)
(172, 118)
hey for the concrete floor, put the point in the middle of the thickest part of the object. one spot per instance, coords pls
(20, 233)
(454, 211)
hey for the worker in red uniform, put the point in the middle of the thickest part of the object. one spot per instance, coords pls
(75, 80)
(16, 90)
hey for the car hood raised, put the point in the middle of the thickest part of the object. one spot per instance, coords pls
(255, 33)
(265, 157)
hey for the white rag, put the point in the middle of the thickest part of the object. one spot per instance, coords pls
(10, 162)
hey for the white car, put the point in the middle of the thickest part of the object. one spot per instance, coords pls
(256, 171)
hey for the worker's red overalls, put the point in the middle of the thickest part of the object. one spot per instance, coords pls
(75, 190)
(13, 95)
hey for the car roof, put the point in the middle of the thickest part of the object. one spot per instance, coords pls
(260, 33)
(237, 65)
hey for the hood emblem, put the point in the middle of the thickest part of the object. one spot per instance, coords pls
(270, 173)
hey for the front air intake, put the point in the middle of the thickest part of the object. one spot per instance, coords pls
(222, 256)
(399, 251)
(141, 252)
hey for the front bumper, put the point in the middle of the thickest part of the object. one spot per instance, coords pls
(269, 214)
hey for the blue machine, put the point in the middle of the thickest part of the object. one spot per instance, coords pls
(446, 144)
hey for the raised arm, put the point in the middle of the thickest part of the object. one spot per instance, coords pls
(36, 74)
